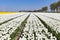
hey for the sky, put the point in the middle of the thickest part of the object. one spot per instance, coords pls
(16, 5)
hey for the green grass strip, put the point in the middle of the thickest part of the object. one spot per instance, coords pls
(49, 28)
(10, 19)
(19, 29)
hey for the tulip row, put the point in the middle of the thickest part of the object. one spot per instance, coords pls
(8, 28)
(35, 30)
(51, 24)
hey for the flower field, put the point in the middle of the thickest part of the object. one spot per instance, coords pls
(30, 26)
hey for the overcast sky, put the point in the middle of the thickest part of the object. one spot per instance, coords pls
(16, 5)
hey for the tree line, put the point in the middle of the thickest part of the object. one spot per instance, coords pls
(54, 7)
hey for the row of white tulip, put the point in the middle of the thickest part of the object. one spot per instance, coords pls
(8, 16)
(8, 28)
(53, 15)
(35, 30)
(54, 24)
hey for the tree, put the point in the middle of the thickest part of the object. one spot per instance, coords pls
(58, 6)
(53, 7)
(44, 9)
